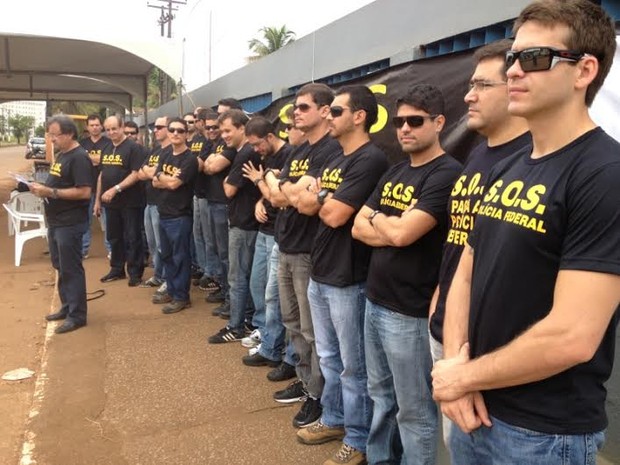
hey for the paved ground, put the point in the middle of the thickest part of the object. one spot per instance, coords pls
(135, 387)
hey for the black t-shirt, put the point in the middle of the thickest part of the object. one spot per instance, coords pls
(241, 206)
(117, 162)
(295, 232)
(463, 204)
(71, 169)
(201, 147)
(403, 279)
(275, 162)
(95, 149)
(178, 202)
(214, 184)
(337, 258)
(152, 194)
(540, 216)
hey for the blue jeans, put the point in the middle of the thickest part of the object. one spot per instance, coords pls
(199, 233)
(176, 237)
(88, 235)
(338, 319)
(151, 228)
(65, 245)
(437, 354)
(258, 277)
(511, 445)
(217, 242)
(273, 333)
(104, 222)
(240, 253)
(399, 366)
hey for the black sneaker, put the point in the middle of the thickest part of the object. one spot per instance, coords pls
(283, 372)
(308, 414)
(216, 298)
(210, 285)
(112, 276)
(225, 308)
(294, 392)
(257, 360)
(225, 335)
(134, 282)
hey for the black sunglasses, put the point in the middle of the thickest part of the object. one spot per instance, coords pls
(130, 133)
(413, 121)
(337, 111)
(541, 58)
(212, 128)
(177, 130)
(190, 122)
(303, 107)
(159, 127)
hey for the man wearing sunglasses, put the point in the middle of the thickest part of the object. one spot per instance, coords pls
(339, 268)
(151, 215)
(405, 221)
(505, 134)
(120, 195)
(540, 273)
(174, 178)
(296, 233)
(243, 227)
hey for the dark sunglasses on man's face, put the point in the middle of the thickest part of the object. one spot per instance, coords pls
(303, 107)
(541, 58)
(190, 121)
(413, 121)
(159, 127)
(212, 128)
(336, 111)
(177, 130)
(131, 133)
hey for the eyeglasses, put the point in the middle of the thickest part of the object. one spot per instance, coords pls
(131, 133)
(190, 121)
(337, 111)
(159, 127)
(303, 107)
(212, 128)
(413, 121)
(541, 58)
(479, 85)
(177, 130)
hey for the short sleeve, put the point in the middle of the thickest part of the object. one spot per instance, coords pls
(360, 180)
(435, 192)
(136, 157)
(82, 170)
(189, 169)
(374, 201)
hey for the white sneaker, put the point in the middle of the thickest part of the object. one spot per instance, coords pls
(162, 289)
(252, 340)
(254, 350)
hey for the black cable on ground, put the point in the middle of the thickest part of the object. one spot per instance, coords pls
(95, 294)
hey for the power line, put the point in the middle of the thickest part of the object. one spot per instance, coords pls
(166, 16)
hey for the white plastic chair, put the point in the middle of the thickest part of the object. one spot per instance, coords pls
(24, 202)
(19, 220)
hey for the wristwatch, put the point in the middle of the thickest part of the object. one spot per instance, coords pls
(54, 193)
(372, 215)
(320, 197)
(118, 188)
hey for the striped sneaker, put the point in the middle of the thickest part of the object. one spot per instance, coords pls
(225, 335)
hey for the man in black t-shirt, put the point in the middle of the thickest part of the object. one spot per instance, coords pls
(174, 178)
(151, 214)
(242, 195)
(67, 198)
(119, 193)
(541, 272)
(488, 115)
(274, 151)
(95, 145)
(296, 232)
(405, 221)
(339, 268)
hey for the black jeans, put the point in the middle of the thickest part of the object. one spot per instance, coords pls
(65, 243)
(124, 233)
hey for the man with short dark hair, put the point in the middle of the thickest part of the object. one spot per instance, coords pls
(228, 103)
(243, 226)
(405, 221)
(174, 178)
(67, 197)
(119, 194)
(540, 277)
(339, 269)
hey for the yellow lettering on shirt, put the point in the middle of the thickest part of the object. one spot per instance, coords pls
(171, 170)
(56, 169)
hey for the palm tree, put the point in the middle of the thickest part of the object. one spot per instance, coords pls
(273, 39)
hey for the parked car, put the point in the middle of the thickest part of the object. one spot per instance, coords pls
(35, 148)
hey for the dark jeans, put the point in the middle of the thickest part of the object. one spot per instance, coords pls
(240, 254)
(176, 237)
(217, 241)
(65, 244)
(124, 232)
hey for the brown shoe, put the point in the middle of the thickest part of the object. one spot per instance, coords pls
(319, 433)
(161, 298)
(347, 455)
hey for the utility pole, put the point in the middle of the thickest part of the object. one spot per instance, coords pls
(166, 16)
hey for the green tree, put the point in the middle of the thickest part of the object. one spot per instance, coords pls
(274, 38)
(20, 125)
(39, 131)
